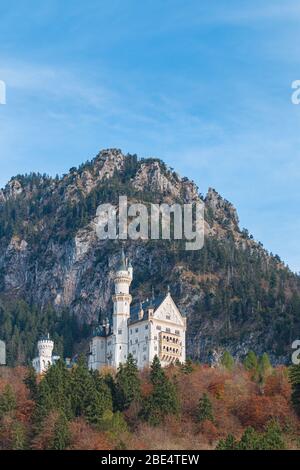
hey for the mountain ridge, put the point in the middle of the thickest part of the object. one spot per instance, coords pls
(228, 290)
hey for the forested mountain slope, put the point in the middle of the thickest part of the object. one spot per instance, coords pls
(55, 274)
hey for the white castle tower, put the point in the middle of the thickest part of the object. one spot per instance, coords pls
(121, 310)
(45, 359)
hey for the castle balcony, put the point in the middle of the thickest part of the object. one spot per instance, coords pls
(170, 347)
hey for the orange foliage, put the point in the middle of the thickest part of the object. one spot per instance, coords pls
(237, 402)
(258, 410)
(278, 384)
(84, 437)
(209, 430)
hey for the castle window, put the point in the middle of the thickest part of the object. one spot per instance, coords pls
(168, 330)
(168, 317)
(146, 327)
(155, 348)
(120, 347)
(146, 338)
(145, 358)
(136, 330)
(136, 340)
(131, 341)
(119, 332)
(158, 327)
(131, 331)
(155, 337)
(177, 332)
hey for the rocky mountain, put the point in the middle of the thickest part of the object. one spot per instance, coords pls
(56, 274)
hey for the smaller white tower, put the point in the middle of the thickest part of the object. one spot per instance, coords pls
(44, 360)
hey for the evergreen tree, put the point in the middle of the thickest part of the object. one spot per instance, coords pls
(251, 362)
(90, 395)
(264, 367)
(187, 367)
(270, 439)
(54, 393)
(128, 384)
(18, 436)
(250, 440)
(8, 401)
(61, 438)
(31, 384)
(227, 360)
(204, 409)
(227, 444)
(294, 375)
(163, 400)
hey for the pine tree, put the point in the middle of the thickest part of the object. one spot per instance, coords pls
(128, 384)
(227, 361)
(204, 409)
(163, 400)
(250, 440)
(294, 375)
(272, 438)
(90, 395)
(83, 389)
(18, 436)
(264, 367)
(61, 438)
(8, 401)
(54, 393)
(187, 367)
(31, 384)
(227, 444)
(251, 362)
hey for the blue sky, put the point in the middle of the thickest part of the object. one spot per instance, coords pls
(206, 86)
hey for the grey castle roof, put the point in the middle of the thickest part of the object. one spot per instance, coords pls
(149, 303)
(134, 314)
(122, 263)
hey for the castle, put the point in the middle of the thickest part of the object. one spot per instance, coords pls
(45, 359)
(154, 327)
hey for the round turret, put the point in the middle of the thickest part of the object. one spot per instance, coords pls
(45, 346)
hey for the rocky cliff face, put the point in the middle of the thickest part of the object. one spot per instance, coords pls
(233, 292)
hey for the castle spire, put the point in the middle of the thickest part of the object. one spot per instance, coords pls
(122, 264)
